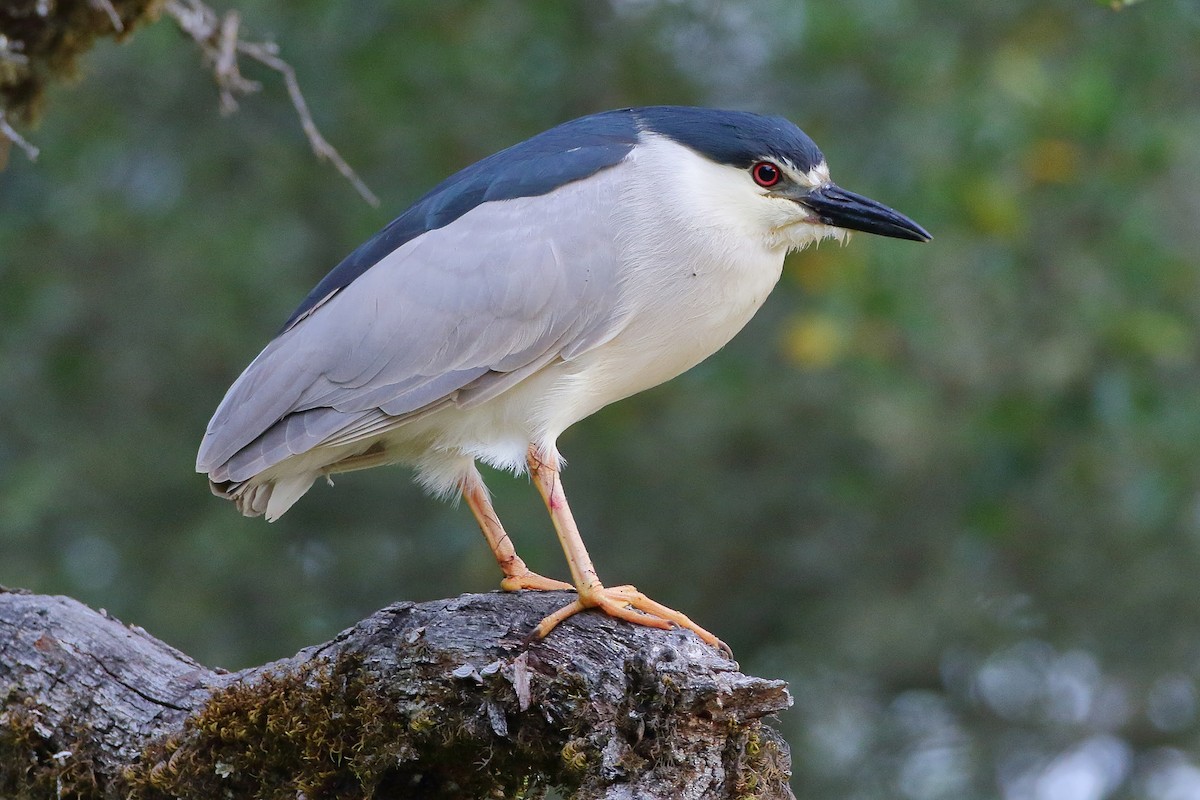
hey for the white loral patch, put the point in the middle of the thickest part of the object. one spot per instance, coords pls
(816, 177)
(708, 196)
(798, 228)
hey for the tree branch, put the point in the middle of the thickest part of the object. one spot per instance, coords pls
(42, 42)
(219, 40)
(430, 700)
(8, 136)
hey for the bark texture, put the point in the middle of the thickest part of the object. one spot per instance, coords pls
(431, 700)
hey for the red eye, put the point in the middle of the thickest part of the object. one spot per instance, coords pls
(766, 174)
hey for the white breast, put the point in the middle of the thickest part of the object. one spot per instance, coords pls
(698, 263)
(698, 260)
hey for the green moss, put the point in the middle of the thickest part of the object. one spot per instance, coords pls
(576, 754)
(316, 733)
(327, 732)
(762, 766)
(38, 763)
(42, 48)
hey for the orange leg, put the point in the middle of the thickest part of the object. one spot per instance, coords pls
(516, 574)
(622, 602)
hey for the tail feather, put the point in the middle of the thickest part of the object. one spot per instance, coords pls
(271, 497)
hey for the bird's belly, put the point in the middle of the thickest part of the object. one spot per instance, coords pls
(537, 410)
(634, 362)
(671, 332)
(667, 338)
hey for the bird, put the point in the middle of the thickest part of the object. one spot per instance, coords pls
(522, 294)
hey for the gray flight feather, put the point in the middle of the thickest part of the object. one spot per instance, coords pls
(437, 320)
(564, 154)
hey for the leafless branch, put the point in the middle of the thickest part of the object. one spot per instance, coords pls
(10, 52)
(218, 39)
(107, 7)
(11, 136)
(229, 77)
(322, 148)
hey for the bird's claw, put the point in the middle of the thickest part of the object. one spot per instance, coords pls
(535, 582)
(629, 604)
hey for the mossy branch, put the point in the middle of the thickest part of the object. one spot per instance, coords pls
(430, 700)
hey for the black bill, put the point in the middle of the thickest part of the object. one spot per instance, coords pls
(833, 205)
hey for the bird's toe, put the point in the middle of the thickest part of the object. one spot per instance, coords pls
(535, 582)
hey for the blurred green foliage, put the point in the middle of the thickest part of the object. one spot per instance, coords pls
(950, 492)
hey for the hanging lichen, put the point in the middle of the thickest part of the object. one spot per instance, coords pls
(41, 42)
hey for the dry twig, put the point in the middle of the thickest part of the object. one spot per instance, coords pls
(9, 136)
(107, 7)
(218, 39)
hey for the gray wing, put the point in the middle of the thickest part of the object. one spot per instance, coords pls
(457, 314)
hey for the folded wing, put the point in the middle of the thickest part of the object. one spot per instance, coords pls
(454, 315)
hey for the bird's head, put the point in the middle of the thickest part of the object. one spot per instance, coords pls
(768, 174)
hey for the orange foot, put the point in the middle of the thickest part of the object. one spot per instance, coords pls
(531, 580)
(627, 603)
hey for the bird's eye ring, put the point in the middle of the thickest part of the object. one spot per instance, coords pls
(766, 174)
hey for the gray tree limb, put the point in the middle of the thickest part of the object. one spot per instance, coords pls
(431, 700)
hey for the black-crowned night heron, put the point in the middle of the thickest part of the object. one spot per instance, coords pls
(595, 260)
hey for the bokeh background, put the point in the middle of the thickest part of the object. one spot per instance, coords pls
(950, 492)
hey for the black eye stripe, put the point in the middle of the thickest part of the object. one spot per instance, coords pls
(766, 174)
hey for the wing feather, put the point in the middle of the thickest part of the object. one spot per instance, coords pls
(459, 313)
